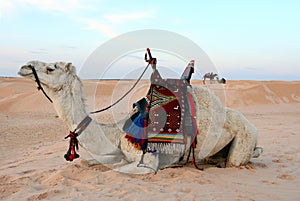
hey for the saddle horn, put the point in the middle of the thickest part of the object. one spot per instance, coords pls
(152, 61)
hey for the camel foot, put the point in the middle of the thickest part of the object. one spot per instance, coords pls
(171, 166)
(135, 168)
(92, 162)
(216, 161)
(257, 151)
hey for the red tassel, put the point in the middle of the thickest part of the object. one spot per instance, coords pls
(71, 153)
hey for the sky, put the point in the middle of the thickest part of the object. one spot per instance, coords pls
(253, 40)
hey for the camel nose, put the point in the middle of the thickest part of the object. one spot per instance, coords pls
(25, 70)
(26, 67)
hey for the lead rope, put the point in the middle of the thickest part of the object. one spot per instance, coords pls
(73, 144)
(106, 108)
(37, 80)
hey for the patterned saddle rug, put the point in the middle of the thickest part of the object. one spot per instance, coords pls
(164, 119)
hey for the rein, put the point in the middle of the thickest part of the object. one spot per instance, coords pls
(137, 81)
(73, 144)
(37, 80)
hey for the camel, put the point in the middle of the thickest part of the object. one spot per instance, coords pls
(212, 76)
(219, 128)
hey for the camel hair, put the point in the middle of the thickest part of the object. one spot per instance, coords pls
(218, 127)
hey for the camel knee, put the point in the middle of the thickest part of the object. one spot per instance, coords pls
(241, 150)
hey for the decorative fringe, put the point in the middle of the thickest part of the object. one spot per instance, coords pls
(167, 148)
(138, 144)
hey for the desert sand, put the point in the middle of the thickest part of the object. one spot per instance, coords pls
(32, 166)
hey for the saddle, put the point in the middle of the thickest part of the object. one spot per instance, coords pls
(164, 120)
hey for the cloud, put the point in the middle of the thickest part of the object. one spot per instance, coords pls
(80, 11)
(39, 51)
(129, 16)
(72, 47)
(107, 24)
(92, 24)
(65, 6)
(7, 8)
(12, 8)
(251, 68)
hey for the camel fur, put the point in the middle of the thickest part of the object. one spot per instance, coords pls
(218, 126)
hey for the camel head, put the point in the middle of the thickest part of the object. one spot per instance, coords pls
(52, 76)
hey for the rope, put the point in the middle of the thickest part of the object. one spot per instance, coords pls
(37, 80)
(106, 108)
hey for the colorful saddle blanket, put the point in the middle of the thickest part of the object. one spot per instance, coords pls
(169, 121)
(167, 112)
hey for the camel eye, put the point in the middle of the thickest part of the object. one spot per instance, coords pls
(49, 70)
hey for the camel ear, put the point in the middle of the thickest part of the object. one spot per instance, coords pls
(70, 68)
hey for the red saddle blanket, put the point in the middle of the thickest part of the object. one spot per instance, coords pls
(167, 112)
(171, 118)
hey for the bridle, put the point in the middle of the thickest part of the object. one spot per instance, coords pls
(71, 153)
(37, 80)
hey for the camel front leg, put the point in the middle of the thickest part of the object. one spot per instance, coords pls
(243, 145)
(139, 163)
(148, 163)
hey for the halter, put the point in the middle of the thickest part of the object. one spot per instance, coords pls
(37, 80)
(73, 144)
(71, 153)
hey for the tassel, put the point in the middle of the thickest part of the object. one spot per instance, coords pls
(167, 148)
(71, 153)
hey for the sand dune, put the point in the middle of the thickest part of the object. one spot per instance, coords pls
(32, 146)
(269, 92)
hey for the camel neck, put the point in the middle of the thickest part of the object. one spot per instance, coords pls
(70, 104)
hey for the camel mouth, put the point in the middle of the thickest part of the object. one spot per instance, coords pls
(25, 71)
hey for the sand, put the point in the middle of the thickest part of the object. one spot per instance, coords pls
(32, 166)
